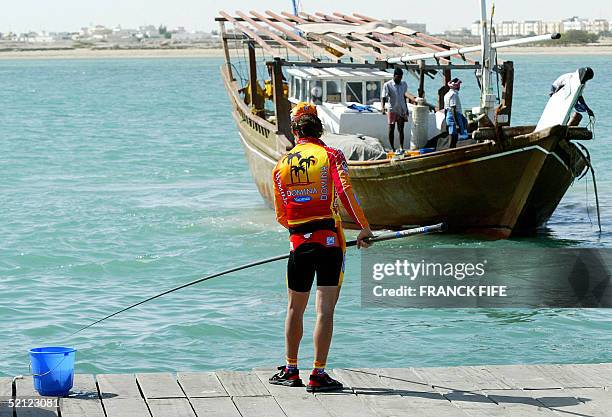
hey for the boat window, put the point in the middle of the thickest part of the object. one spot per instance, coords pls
(316, 91)
(354, 91)
(297, 88)
(304, 96)
(333, 93)
(373, 89)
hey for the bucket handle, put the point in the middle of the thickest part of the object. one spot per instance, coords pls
(50, 370)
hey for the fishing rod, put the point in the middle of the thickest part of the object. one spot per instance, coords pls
(440, 227)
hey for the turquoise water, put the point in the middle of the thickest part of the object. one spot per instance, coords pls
(122, 178)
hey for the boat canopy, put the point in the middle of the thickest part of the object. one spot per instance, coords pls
(336, 85)
(333, 38)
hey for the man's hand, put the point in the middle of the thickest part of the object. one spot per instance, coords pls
(365, 233)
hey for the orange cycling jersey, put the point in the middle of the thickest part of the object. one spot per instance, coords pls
(307, 183)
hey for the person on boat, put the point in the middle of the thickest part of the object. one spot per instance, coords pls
(394, 92)
(308, 181)
(580, 106)
(456, 122)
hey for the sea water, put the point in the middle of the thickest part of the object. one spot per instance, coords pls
(122, 178)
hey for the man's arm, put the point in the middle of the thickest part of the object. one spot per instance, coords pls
(344, 190)
(279, 200)
(454, 114)
(385, 97)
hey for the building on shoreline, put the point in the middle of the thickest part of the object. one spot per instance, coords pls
(538, 27)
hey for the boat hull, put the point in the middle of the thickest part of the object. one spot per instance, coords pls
(489, 188)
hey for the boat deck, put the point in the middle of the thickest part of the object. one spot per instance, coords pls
(516, 390)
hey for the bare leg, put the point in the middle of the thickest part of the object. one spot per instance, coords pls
(400, 129)
(327, 296)
(294, 323)
(392, 135)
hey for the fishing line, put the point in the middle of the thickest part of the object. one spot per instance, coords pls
(440, 227)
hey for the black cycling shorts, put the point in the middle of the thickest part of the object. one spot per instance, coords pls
(311, 258)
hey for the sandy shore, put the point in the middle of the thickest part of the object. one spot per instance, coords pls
(218, 53)
(112, 53)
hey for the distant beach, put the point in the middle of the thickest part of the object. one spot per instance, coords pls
(83, 53)
(218, 52)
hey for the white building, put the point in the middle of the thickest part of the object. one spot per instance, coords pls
(575, 23)
(552, 27)
(598, 26)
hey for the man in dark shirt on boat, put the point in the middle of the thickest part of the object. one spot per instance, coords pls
(394, 92)
(307, 182)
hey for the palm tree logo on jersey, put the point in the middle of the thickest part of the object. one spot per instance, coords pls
(302, 166)
(305, 163)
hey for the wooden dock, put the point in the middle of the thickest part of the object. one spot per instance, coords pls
(476, 391)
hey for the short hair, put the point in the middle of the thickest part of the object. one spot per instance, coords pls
(307, 126)
(398, 71)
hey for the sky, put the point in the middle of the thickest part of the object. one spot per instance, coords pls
(71, 15)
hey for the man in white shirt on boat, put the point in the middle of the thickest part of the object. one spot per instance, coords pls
(394, 92)
(455, 121)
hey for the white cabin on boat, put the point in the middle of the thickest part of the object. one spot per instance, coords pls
(334, 90)
(349, 100)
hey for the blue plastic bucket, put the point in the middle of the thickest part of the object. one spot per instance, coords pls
(53, 370)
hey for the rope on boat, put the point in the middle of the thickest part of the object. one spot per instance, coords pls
(590, 168)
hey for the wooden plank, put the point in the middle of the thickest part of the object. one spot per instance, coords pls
(279, 390)
(263, 29)
(523, 377)
(126, 407)
(5, 409)
(565, 402)
(175, 407)
(5, 395)
(6, 384)
(566, 376)
(258, 407)
(396, 406)
(121, 396)
(251, 34)
(36, 412)
(84, 386)
(201, 384)
(520, 403)
(476, 404)
(302, 406)
(598, 398)
(346, 404)
(294, 36)
(599, 374)
(81, 407)
(84, 400)
(242, 384)
(159, 385)
(403, 379)
(118, 385)
(319, 38)
(446, 379)
(363, 381)
(214, 406)
(25, 388)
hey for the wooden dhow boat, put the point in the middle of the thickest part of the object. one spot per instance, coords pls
(504, 180)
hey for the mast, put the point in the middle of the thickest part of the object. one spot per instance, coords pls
(296, 7)
(487, 98)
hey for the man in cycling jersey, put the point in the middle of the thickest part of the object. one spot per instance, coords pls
(308, 183)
